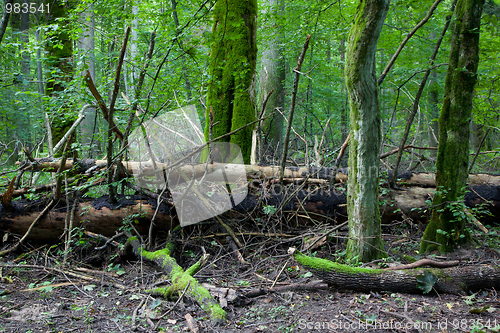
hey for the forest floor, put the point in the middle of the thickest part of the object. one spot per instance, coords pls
(102, 291)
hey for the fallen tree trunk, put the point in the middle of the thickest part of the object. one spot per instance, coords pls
(97, 216)
(320, 204)
(252, 171)
(453, 280)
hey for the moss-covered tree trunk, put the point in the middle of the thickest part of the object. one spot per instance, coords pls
(232, 68)
(364, 242)
(447, 226)
(60, 69)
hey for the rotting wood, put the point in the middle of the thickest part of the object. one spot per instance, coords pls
(452, 280)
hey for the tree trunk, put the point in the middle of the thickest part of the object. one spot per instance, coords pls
(364, 242)
(88, 126)
(60, 68)
(5, 19)
(272, 77)
(445, 227)
(233, 59)
(422, 179)
(99, 216)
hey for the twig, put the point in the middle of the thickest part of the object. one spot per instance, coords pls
(325, 235)
(102, 105)
(134, 314)
(114, 96)
(475, 221)
(70, 227)
(175, 304)
(237, 252)
(258, 127)
(279, 274)
(479, 149)
(71, 130)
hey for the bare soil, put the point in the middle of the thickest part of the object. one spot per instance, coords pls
(103, 291)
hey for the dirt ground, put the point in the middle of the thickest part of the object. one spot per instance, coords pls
(103, 291)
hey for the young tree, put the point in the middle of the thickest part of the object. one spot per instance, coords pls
(364, 242)
(446, 226)
(232, 68)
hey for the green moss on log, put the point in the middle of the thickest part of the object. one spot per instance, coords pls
(318, 264)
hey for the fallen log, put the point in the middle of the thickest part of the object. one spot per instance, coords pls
(452, 280)
(98, 216)
(422, 179)
(197, 170)
(320, 204)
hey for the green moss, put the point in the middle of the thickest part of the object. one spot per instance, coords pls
(329, 266)
(193, 269)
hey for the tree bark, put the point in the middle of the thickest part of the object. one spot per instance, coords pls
(452, 163)
(272, 77)
(99, 216)
(233, 59)
(364, 242)
(88, 127)
(5, 19)
(422, 179)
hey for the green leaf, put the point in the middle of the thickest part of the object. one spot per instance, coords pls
(156, 303)
(426, 281)
(89, 287)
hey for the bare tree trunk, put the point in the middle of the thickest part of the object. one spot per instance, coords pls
(272, 77)
(88, 126)
(5, 19)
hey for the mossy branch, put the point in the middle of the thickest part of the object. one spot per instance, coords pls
(180, 279)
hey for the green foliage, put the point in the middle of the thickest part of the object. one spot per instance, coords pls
(426, 281)
(269, 210)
